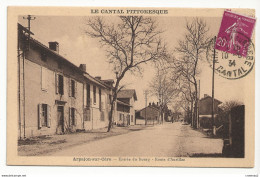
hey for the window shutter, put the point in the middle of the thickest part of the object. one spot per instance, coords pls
(42, 80)
(57, 83)
(70, 90)
(39, 116)
(48, 116)
(75, 117)
(69, 116)
(75, 89)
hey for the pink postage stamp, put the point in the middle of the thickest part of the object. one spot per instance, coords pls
(235, 33)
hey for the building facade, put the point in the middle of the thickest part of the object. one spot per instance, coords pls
(205, 105)
(205, 111)
(54, 95)
(125, 107)
(150, 113)
(97, 99)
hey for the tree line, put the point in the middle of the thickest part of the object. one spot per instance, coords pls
(133, 41)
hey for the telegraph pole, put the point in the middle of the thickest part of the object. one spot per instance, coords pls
(213, 75)
(29, 18)
(198, 114)
(145, 97)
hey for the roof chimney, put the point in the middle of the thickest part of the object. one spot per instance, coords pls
(109, 82)
(98, 77)
(54, 46)
(82, 67)
(205, 95)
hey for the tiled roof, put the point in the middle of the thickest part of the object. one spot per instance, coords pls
(20, 27)
(219, 102)
(127, 93)
(150, 106)
(87, 75)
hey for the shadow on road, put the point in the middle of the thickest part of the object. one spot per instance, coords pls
(207, 155)
(212, 137)
(135, 129)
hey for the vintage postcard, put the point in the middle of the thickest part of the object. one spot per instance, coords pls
(99, 86)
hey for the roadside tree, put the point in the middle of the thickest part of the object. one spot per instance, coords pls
(190, 50)
(129, 41)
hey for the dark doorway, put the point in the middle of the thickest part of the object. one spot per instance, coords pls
(60, 120)
(128, 119)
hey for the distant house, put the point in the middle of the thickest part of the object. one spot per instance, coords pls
(205, 110)
(176, 116)
(125, 107)
(205, 105)
(168, 115)
(151, 113)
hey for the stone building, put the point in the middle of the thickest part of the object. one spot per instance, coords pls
(125, 107)
(55, 96)
(151, 113)
(205, 111)
(97, 98)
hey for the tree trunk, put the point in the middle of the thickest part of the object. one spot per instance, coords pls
(110, 123)
(110, 119)
(196, 104)
(195, 114)
(191, 113)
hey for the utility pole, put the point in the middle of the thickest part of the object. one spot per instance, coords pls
(29, 18)
(213, 73)
(198, 114)
(162, 110)
(145, 97)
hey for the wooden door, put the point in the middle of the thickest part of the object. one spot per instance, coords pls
(60, 120)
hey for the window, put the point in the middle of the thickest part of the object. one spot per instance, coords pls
(88, 95)
(94, 94)
(44, 79)
(87, 114)
(44, 115)
(59, 84)
(121, 117)
(99, 93)
(73, 88)
(132, 118)
(72, 116)
(109, 99)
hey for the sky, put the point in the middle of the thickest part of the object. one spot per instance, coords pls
(79, 48)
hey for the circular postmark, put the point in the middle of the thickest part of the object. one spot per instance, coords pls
(231, 66)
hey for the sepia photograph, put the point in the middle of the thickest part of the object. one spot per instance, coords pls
(131, 87)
